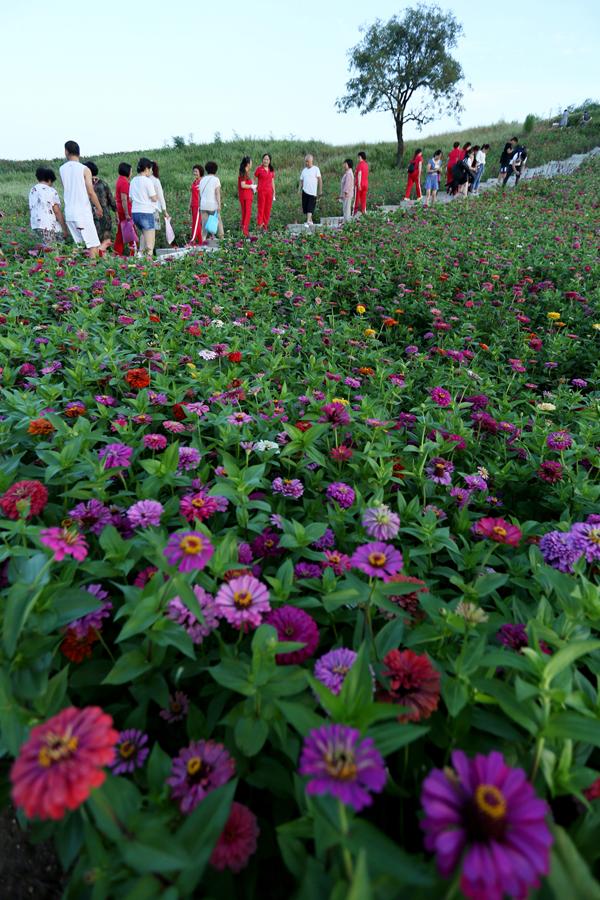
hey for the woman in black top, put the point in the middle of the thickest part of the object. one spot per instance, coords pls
(504, 161)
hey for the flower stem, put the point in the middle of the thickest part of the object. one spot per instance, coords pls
(347, 857)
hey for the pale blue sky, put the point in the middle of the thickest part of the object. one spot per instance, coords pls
(117, 76)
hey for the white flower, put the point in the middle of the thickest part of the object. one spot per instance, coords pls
(218, 323)
(207, 354)
(261, 446)
(471, 613)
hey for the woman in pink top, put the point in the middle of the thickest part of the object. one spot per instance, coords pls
(265, 192)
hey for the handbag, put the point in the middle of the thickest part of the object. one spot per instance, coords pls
(128, 232)
(169, 233)
(212, 223)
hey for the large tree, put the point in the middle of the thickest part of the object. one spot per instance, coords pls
(404, 67)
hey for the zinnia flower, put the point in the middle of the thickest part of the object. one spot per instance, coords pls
(78, 646)
(27, 498)
(94, 619)
(381, 523)
(64, 542)
(92, 515)
(440, 396)
(339, 763)
(238, 839)
(188, 550)
(189, 458)
(377, 559)
(485, 816)
(131, 751)
(200, 506)
(197, 630)
(585, 540)
(199, 769)
(154, 441)
(498, 530)
(177, 709)
(558, 551)
(137, 378)
(559, 440)
(145, 513)
(288, 487)
(342, 493)
(62, 761)
(116, 455)
(243, 601)
(413, 683)
(331, 668)
(40, 426)
(294, 625)
(550, 471)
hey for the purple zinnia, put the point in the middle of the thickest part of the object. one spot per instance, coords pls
(585, 540)
(559, 440)
(92, 515)
(381, 523)
(130, 752)
(188, 550)
(243, 601)
(440, 396)
(179, 704)
(92, 620)
(335, 413)
(189, 458)
(486, 816)
(294, 625)
(332, 668)
(326, 541)
(266, 545)
(307, 570)
(197, 630)
(513, 636)
(440, 470)
(558, 551)
(342, 493)
(338, 762)
(289, 487)
(116, 455)
(377, 559)
(145, 513)
(197, 770)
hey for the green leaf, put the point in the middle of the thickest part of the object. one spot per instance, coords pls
(572, 725)
(390, 736)
(113, 805)
(360, 889)
(565, 656)
(455, 694)
(72, 604)
(386, 857)
(390, 637)
(250, 734)
(128, 667)
(233, 674)
(18, 606)
(569, 873)
(159, 767)
(300, 716)
(155, 851)
(200, 832)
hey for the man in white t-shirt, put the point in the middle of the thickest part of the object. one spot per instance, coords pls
(79, 193)
(311, 187)
(44, 206)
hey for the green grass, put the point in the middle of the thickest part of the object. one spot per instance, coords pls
(387, 182)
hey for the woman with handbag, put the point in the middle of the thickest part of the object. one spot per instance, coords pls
(210, 202)
(198, 173)
(143, 205)
(126, 234)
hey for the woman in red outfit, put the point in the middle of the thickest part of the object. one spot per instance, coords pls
(414, 174)
(246, 188)
(123, 207)
(198, 173)
(265, 177)
(361, 183)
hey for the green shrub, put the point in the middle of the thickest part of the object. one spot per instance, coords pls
(530, 121)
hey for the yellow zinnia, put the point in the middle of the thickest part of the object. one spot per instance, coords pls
(360, 309)
(554, 315)
(370, 332)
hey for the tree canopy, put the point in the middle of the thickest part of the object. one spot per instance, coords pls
(404, 66)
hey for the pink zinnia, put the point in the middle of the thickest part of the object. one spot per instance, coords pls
(62, 761)
(64, 542)
(200, 506)
(145, 513)
(440, 396)
(294, 625)
(243, 601)
(238, 840)
(498, 530)
(188, 550)
(377, 559)
(154, 441)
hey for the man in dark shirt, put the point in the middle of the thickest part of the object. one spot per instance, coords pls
(518, 160)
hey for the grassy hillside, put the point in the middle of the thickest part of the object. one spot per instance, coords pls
(544, 142)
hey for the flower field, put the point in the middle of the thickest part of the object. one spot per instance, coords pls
(300, 558)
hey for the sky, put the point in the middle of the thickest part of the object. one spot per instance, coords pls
(115, 76)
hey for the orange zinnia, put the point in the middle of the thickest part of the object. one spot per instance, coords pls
(40, 426)
(137, 378)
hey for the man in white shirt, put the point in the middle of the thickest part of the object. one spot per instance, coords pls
(311, 187)
(79, 194)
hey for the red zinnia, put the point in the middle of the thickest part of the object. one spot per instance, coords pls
(550, 471)
(178, 412)
(498, 530)
(40, 426)
(237, 842)
(408, 602)
(77, 648)
(137, 378)
(235, 356)
(414, 683)
(303, 426)
(61, 762)
(14, 501)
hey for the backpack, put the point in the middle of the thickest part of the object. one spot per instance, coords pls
(411, 168)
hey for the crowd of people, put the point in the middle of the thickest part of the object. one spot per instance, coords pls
(139, 201)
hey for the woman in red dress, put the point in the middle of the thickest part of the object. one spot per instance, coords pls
(198, 173)
(265, 177)
(123, 201)
(414, 175)
(246, 188)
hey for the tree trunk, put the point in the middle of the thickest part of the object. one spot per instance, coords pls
(400, 139)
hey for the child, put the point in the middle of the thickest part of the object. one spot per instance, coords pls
(47, 220)
(347, 190)
(432, 181)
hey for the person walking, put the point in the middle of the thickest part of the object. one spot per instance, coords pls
(464, 172)
(210, 198)
(143, 205)
(79, 192)
(161, 205)
(103, 224)
(198, 173)
(414, 174)
(265, 191)
(46, 217)
(432, 179)
(246, 189)
(517, 162)
(453, 158)
(564, 119)
(311, 188)
(480, 158)
(361, 183)
(347, 190)
(504, 161)
(123, 204)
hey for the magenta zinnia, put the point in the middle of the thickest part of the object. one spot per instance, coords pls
(64, 542)
(377, 559)
(498, 530)
(200, 768)
(243, 601)
(62, 761)
(294, 625)
(485, 816)
(237, 841)
(188, 550)
(338, 762)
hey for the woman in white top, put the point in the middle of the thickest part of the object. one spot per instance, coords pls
(143, 203)
(347, 189)
(161, 206)
(210, 198)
